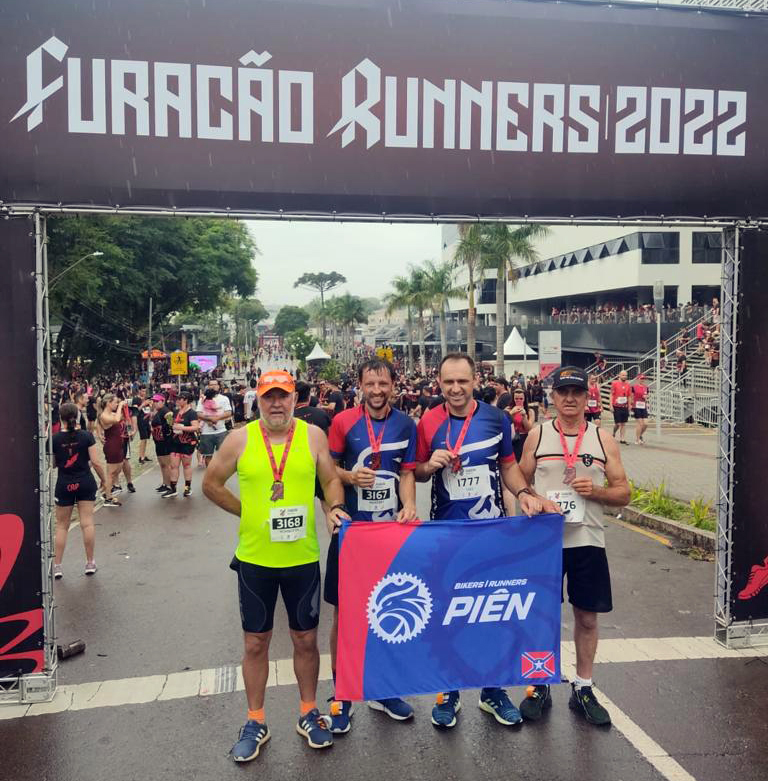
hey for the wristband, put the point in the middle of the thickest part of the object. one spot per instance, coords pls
(340, 507)
(525, 490)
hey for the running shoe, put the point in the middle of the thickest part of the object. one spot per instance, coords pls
(169, 494)
(314, 728)
(131, 489)
(758, 580)
(394, 707)
(161, 489)
(339, 718)
(57, 572)
(583, 701)
(537, 700)
(117, 489)
(445, 709)
(496, 702)
(252, 737)
(90, 567)
(112, 503)
(187, 490)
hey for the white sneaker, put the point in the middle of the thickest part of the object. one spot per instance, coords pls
(90, 567)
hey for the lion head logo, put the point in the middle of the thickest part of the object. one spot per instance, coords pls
(399, 607)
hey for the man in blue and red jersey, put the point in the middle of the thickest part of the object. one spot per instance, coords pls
(374, 446)
(465, 448)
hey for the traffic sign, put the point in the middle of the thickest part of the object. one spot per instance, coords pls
(179, 363)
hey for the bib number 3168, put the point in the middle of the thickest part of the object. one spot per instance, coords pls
(287, 524)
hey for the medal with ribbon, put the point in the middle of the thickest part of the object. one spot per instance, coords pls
(455, 449)
(570, 457)
(374, 441)
(278, 487)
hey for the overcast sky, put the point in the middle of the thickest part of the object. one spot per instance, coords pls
(368, 255)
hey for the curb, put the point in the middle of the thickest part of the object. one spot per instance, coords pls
(701, 538)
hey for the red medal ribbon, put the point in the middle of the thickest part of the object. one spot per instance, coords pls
(570, 458)
(277, 473)
(454, 449)
(375, 442)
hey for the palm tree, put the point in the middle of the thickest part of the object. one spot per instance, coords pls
(421, 299)
(333, 319)
(503, 246)
(441, 288)
(350, 311)
(400, 298)
(469, 252)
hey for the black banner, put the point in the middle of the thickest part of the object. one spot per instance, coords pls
(21, 612)
(749, 548)
(421, 107)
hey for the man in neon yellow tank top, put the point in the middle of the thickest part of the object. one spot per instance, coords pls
(276, 459)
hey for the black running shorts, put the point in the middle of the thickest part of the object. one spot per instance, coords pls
(591, 416)
(640, 413)
(589, 579)
(331, 587)
(145, 430)
(70, 490)
(620, 414)
(163, 448)
(257, 589)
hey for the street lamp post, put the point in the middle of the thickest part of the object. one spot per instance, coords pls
(52, 282)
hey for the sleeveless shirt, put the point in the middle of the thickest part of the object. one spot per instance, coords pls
(550, 466)
(254, 473)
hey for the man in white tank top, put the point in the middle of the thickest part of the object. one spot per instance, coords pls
(577, 465)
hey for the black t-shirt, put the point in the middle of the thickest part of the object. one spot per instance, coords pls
(186, 418)
(336, 398)
(161, 428)
(90, 410)
(317, 417)
(70, 451)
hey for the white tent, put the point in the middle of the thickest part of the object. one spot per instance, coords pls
(318, 354)
(519, 356)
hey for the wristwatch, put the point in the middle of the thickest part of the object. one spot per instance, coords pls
(340, 507)
(525, 490)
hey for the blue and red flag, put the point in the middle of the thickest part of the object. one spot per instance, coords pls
(442, 605)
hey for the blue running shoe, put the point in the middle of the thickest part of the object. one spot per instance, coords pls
(252, 737)
(445, 710)
(496, 702)
(394, 707)
(314, 728)
(339, 718)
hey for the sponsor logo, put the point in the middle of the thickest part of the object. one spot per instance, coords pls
(587, 459)
(399, 607)
(501, 605)
(537, 664)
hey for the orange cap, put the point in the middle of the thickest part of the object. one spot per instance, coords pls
(275, 379)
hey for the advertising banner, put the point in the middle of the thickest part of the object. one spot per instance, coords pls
(550, 354)
(21, 605)
(431, 607)
(206, 363)
(749, 534)
(423, 107)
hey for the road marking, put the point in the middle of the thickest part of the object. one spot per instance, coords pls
(640, 530)
(227, 679)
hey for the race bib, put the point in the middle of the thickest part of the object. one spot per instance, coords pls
(471, 483)
(639, 405)
(380, 498)
(288, 524)
(592, 403)
(621, 399)
(572, 505)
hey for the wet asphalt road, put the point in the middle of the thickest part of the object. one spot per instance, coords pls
(164, 600)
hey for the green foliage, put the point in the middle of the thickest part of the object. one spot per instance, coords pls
(322, 281)
(102, 303)
(299, 343)
(291, 318)
(655, 500)
(331, 371)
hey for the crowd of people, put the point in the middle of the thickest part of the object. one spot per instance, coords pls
(620, 313)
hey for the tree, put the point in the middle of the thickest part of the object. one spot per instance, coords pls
(420, 299)
(350, 310)
(503, 246)
(102, 303)
(247, 312)
(291, 318)
(400, 298)
(299, 343)
(469, 253)
(322, 282)
(440, 287)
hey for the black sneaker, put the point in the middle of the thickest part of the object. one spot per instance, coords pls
(161, 489)
(117, 489)
(169, 494)
(584, 701)
(112, 503)
(537, 700)
(131, 489)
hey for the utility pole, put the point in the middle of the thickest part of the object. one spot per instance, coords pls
(150, 365)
